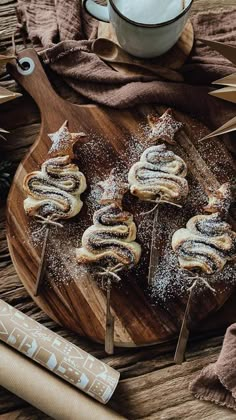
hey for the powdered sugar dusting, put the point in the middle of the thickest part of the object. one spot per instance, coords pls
(170, 280)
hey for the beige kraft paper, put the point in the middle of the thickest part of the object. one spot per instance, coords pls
(56, 354)
(47, 392)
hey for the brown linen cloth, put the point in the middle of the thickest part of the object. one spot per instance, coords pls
(64, 32)
(217, 382)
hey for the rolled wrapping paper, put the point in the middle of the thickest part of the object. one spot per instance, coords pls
(56, 354)
(45, 391)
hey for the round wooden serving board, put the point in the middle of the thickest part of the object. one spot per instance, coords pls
(173, 59)
(73, 298)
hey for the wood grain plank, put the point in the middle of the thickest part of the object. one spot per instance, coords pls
(78, 303)
(133, 363)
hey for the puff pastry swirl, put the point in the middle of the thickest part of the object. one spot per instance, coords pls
(111, 239)
(207, 243)
(159, 173)
(55, 190)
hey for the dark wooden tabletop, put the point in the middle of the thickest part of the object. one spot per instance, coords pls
(151, 386)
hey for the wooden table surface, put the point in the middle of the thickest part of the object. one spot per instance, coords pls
(151, 386)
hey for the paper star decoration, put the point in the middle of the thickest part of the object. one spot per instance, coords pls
(228, 92)
(63, 141)
(113, 189)
(164, 127)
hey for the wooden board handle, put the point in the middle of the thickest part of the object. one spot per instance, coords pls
(34, 80)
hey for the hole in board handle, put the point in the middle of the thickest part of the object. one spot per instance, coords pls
(27, 66)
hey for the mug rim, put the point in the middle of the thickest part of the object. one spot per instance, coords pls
(150, 25)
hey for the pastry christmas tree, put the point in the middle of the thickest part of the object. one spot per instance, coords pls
(208, 241)
(204, 247)
(159, 176)
(109, 244)
(53, 193)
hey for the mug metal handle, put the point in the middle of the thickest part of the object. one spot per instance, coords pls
(95, 10)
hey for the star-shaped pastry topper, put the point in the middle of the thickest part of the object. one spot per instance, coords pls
(63, 141)
(165, 127)
(113, 189)
(219, 201)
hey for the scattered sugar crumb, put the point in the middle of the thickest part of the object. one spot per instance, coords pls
(170, 281)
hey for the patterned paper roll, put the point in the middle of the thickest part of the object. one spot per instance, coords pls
(54, 397)
(56, 354)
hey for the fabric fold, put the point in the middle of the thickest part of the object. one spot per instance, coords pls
(62, 32)
(217, 382)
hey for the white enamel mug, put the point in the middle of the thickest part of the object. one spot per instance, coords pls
(144, 40)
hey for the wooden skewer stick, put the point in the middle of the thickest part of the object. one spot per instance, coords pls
(110, 320)
(42, 265)
(183, 4)
(184, 333)
(109, 334)
(154, 252)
